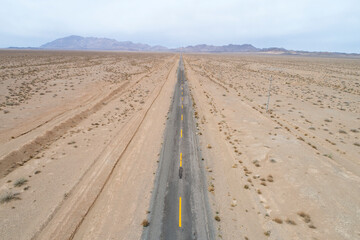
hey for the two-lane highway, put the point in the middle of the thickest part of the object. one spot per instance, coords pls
(179, 205)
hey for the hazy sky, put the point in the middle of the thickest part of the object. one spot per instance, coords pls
(321, 25)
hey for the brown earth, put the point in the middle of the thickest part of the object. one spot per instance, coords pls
(291, 173)
(67, 143)
(80, 134)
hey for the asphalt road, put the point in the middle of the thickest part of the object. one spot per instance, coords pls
(179, 205)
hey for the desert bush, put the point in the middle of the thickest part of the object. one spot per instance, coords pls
(20, 182)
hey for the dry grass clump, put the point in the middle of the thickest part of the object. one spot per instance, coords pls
(305, 216)
(145, 223)
(20, 182)
(301, 139)
(256, 163)
(289, 221)
(211, 187)
(278, 220)
(312, 226)
(9, 196)
(270, 178)
(307, 219)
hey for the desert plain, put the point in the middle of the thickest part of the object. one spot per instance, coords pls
(81, 133)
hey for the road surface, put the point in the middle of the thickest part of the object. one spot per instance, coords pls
(179, 205)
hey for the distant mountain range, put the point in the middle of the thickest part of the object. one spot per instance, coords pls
(92, 43)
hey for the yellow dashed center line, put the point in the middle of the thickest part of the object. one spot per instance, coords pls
(180, 159)
(181, 133)
(179, 211)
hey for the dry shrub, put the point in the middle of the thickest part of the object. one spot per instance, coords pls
(145, 223)
(278, 220)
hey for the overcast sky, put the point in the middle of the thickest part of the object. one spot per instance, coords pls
(316, 25)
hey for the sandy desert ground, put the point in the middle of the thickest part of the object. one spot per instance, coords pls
(67, 118)
(291, 173)
(81, 132)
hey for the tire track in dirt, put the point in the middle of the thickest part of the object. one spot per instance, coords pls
(27, 151)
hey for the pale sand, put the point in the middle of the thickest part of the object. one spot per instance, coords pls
(101, 118)
(92, 124)
(314, 168)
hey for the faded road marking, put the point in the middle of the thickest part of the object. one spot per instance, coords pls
(180, 212)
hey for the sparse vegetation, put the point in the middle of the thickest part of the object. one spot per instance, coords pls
(211, 188)
(289, 221)
(20, 182)
(9, 196)
(239, 128)
(256, 163)
(278, 220)
(312, 226)
(145, 223)
(305, 216)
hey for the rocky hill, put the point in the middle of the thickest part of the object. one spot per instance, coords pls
(91, 43)
(74, 42)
